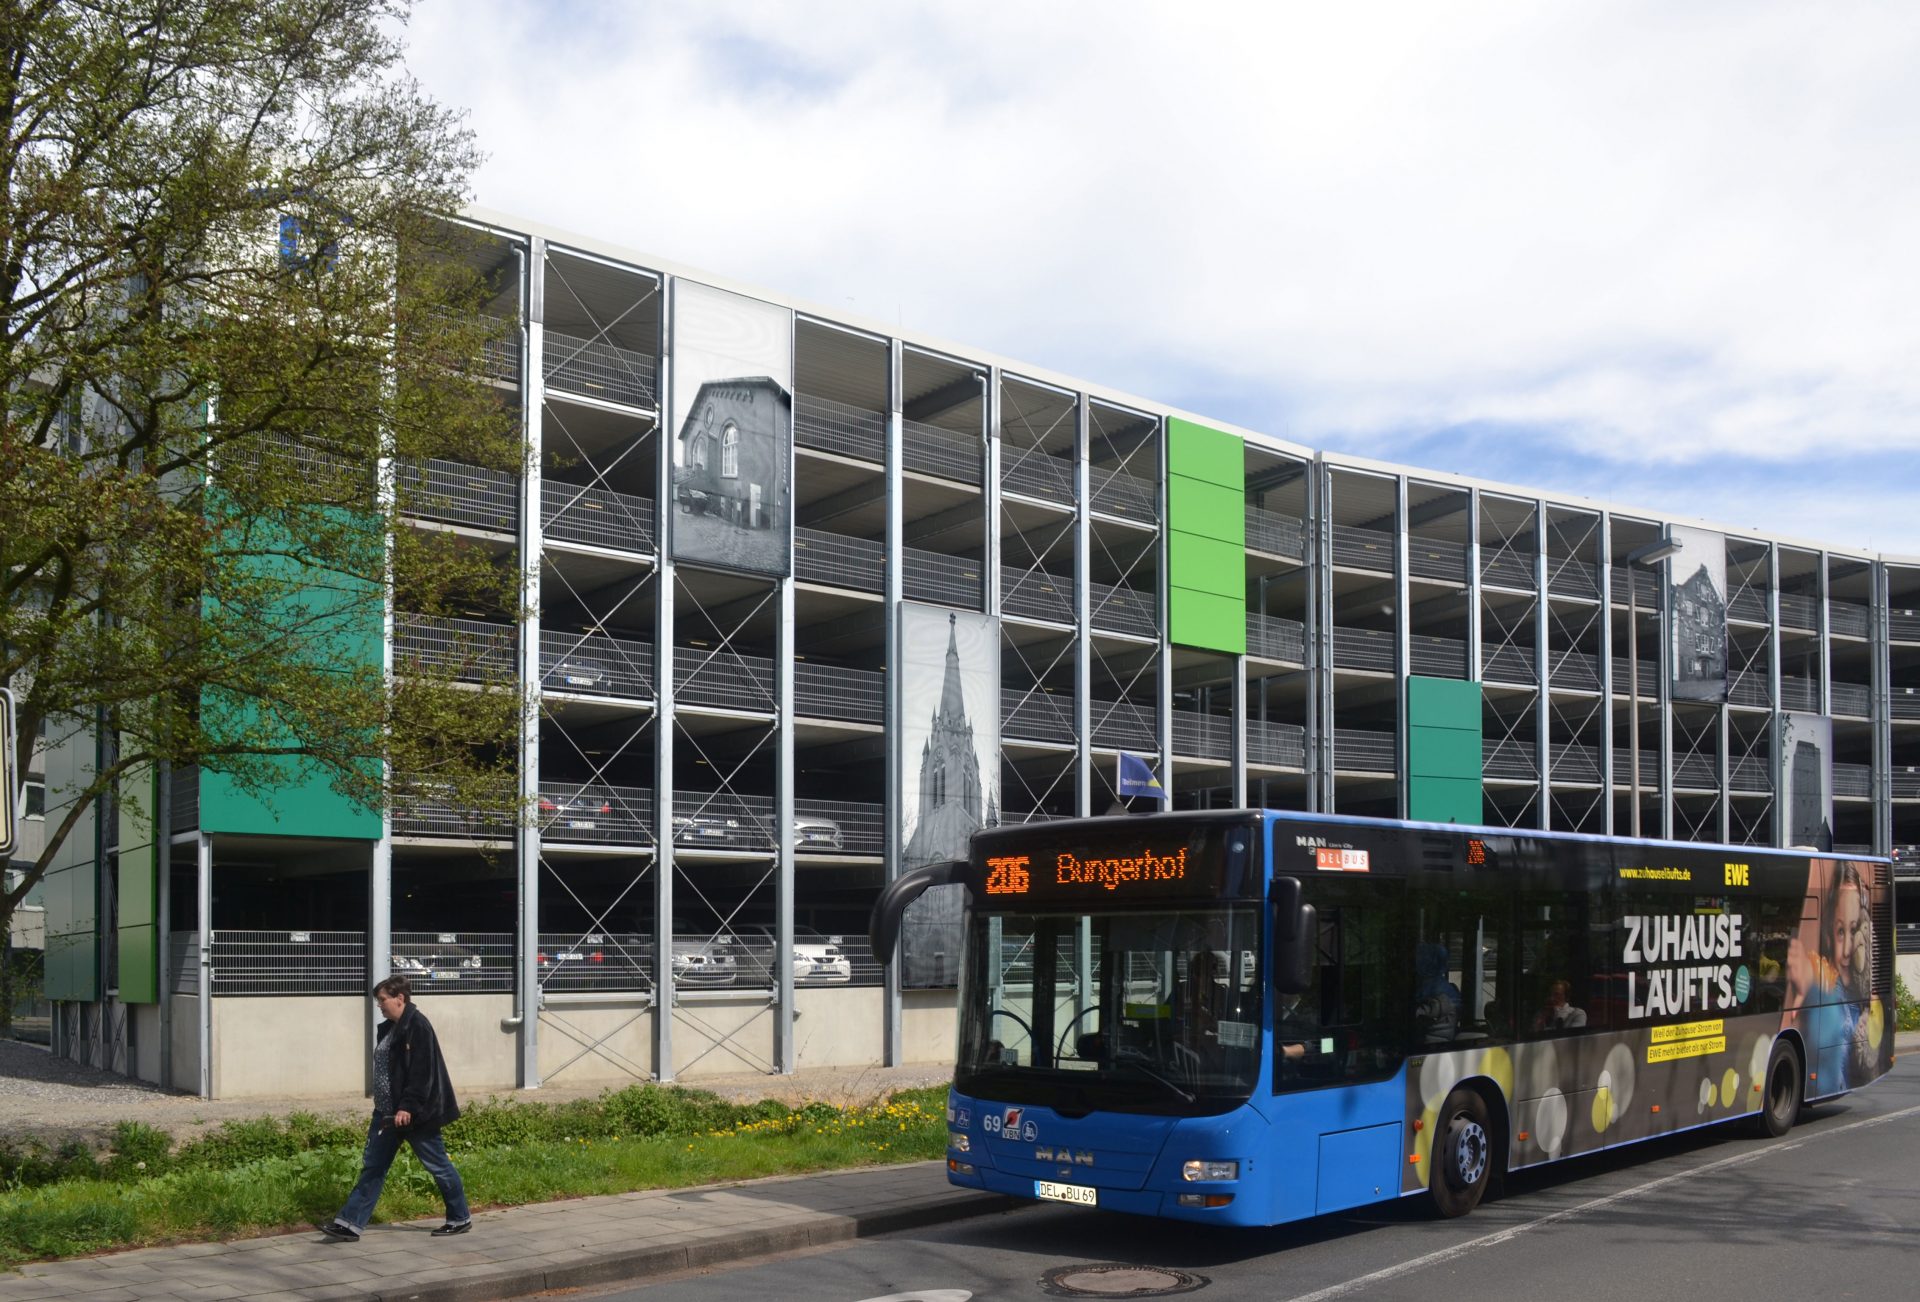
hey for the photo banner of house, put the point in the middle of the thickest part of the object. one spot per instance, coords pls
(950, 689)
(1697, 625)
(1806, 779)
(733, 423)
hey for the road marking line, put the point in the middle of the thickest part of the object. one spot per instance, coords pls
(1515, 1231)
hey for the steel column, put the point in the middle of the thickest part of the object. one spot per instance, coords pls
(526, 830)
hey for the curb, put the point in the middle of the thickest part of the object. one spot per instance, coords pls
(621, 1267)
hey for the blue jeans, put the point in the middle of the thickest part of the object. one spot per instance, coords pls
(383, 1145)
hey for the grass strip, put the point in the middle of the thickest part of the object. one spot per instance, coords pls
(198, 1197)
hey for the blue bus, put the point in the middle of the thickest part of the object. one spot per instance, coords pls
(1254, 1017)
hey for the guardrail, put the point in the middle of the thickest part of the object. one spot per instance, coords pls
(598, 517)
(1360, 750)
(930, 450)
(595, 369)
(1272, 638)
(472, 650)
(840, 428)
(1033, 473)
(452, 492)
(1036, 715)
(1036, 594)
(1362, 549)
(1850, 698)
(1436, 558)
(595, 663)
(1276, 534)
(1116, 493)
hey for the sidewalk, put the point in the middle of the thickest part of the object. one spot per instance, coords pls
(520, 1250)
(581, 1242)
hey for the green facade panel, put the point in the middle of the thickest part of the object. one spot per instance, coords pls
(137, 907)
(1209, 510)
(1445, 800)
(341, 626)
(1199, 452)
(1443, 703)
(1444, 751)
(1207, 565)
(72, 885)
(1206, 619)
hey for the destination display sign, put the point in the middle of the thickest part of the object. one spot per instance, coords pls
(1178, 859)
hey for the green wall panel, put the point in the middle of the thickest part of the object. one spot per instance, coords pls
(1443, 703)
(1210, 510)
(1206, 619)
(137, 908)
(1443, 753)
(1201, 452)
(72, 883)
(1207, 565)
(341, 623)
(1445, 800)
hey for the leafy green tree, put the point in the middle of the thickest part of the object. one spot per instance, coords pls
(233, 294)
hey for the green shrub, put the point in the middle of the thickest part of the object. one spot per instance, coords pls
(1906, 1007)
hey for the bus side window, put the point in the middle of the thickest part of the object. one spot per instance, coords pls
(1562, 987)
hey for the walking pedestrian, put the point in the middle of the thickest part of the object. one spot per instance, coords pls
(412, 1100)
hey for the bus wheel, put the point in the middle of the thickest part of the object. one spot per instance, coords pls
(1463, 1155)
(1783, 1086)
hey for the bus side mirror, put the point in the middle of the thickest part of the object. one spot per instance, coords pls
(1296, 938)
(883, 927)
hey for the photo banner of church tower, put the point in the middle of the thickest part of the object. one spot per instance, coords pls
(732, 431)
(1697, 616)
(1806, 779)
(950, 694)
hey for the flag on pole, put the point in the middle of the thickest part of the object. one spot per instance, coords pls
(1136, 779)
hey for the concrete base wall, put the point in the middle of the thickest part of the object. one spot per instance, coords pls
(307, 1045)
(1908, 966)
(143, 1041)
(186, 1044)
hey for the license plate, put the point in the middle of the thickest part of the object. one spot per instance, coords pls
(1065, 1193)
(581, 680)
(443, 975)
(581, 824)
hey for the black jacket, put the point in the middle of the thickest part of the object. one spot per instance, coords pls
(421, 1085)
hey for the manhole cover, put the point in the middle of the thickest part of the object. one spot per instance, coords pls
(1120, 1280)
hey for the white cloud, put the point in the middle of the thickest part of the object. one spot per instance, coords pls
(1656, 233)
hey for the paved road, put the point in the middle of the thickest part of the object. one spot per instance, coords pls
(1831, 1211)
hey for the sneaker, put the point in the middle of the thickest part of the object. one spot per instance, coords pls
(338, 1231)
(451, 1228)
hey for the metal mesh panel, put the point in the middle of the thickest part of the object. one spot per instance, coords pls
(1846, 619)
(1120, 609)
(1649, 676)
(1649, 767)
(1799, 693)
(604, 960)
(837, 427)
(1904, 703)
(1359, 750)
(289, 962)
(1362, 549)
(1797, 610)
(454, 963)
(1510, 664)
(1506, 569)
(1575, 670)
(725, 679)
(460, 494)
(945, 580)
(1508, 758)
(1035, 474)
(1036, 594)
(595, 663)
(1207, 736)
(1748, 603)
(839, 826)
(595, 369)
(1274, 638)
(423, 809)
(1851, 698)
(1696, 772)
(1574, 762)
(1362, 648)
(931, 450)
(1124, 725)
(1436, 558)
(1749, 687)
(1438, 657)
(1750, 775)
(184, 801)
(820, 556)
(473, 649)
(1118, 493)
(1567, 577)
(1275, 534)
(723, 820)
(1852, 779)
(598, 517)
(1283, 744)
(1904, 782)
(1904, 625)
(592, 813)
(1644, 585)
(1036, 716)
(834, 692)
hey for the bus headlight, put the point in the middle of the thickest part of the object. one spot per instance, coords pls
(1198, 1170)
(957, 1140)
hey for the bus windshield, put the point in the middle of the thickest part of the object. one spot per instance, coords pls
(1141, 1011)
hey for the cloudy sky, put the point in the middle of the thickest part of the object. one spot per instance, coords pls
(1663, 255)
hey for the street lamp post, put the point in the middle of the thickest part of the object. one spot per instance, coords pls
(1647, 554)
